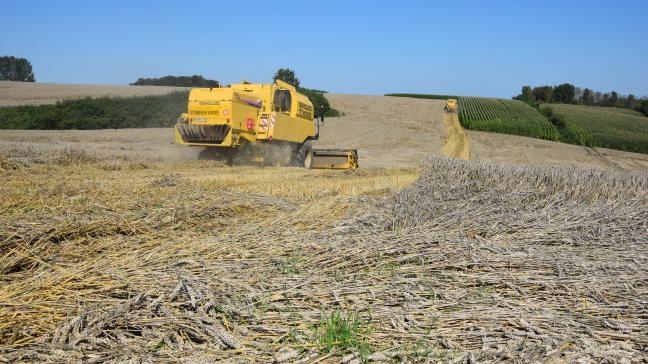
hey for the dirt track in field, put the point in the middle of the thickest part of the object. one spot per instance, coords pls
(457, 145)
(387, 131)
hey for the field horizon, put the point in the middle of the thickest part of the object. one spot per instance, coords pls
(387, 131)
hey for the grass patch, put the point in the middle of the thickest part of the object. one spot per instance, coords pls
(338, 331)
(291, 264)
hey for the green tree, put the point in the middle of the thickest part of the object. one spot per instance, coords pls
(614, 98)
(182, 81)
(316, 97)
(527, 92)
(16, 69)
(565, 93)
(588, 97)
(642, 106)
(286, 75)
(543, 93)
(526, 95)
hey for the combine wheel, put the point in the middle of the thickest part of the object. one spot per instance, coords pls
(304, 155)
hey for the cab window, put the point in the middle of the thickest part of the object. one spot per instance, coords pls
(282, 100)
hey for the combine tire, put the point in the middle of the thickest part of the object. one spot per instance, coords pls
(304, 155)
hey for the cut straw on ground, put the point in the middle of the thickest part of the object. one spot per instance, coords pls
(462, 261)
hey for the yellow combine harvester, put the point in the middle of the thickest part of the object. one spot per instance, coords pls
(451, 105)
(229, 120)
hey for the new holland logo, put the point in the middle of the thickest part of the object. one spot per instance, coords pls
(238, 98)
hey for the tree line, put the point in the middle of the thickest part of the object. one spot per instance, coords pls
(16, 69)
(180, 81)
(567, 93)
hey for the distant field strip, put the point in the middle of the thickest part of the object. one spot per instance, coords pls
(425, 96)
(505, 116)
(606, 127)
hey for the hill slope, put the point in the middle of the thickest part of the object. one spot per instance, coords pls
(28, 93)
(607, 127)
(388, 132)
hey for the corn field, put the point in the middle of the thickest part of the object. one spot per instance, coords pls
(606, 127)
(505, 116)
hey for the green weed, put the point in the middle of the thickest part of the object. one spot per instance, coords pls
(343, 332)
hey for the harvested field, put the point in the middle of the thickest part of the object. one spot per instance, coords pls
(464, 261)
(149, 144)
(387, 131)
(29, 93)
(530, 151)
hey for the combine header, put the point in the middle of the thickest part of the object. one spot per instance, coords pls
(335, 159)
(230, 120)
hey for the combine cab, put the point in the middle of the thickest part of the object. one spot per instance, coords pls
(231, 120)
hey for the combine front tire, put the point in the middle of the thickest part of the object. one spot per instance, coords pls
(304, 155)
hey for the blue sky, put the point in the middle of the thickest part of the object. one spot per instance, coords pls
(485, 48)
